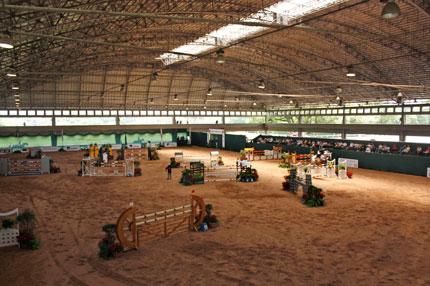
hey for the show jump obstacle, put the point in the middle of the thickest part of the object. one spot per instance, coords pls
(252, 154)
(295, 182)
(135, 154)
(90, 167)
(133, 229)
(10, 167)
(8, 236)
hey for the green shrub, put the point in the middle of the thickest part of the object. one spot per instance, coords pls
(7, 223)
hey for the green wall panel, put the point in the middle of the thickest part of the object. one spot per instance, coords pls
(145, 136)
(407, 164)
(199, 139)
(235, 142)
(86, 139)
(32, 141)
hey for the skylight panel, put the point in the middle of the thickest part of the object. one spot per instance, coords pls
(282, 12)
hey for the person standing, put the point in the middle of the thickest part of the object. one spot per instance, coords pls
(169, 172)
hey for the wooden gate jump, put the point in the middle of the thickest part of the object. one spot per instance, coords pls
(132, 229)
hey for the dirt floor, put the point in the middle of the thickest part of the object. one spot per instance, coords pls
(373, 231)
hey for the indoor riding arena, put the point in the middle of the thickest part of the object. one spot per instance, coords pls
(214, 142)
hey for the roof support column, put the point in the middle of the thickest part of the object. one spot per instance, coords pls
(343, 125)
(402, 136)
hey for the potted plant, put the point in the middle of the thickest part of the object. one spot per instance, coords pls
(108, 247)
(286, 183)
(314, 197)
(198, 179)
(7, 223)
(186, 178)
(137, 168)
(27, 222)
(210, 219)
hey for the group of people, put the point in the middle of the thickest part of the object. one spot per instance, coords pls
(103, 153)
(352, 146)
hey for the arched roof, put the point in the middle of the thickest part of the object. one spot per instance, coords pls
(89, 54)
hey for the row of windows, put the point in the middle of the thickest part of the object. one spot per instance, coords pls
(412, 119)
(421, 108)
(132, 120)
(91, 113)
(355, 110)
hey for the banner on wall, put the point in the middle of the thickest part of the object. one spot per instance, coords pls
(216, 131)
(428, 172)
(47, 149)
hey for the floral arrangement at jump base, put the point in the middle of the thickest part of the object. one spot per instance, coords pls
(27, 222)
(210, 219)
(247, 175)
(137, 168)
(153, 154)
(188, 178)
(108, 247)
(286, 158)
(314, 197)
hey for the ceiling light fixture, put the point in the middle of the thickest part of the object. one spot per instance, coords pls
(338, 90)
(11, 74)
(350, 72)
(154, 76)
(209, 92)
(254, 103)
(261, 84)
(399, 98)
(15, 87)
(391, 10)
(175, 97)
(5, 42)
(220, 58)
(151, 100)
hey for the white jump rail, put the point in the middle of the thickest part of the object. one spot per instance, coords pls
(8, 236)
